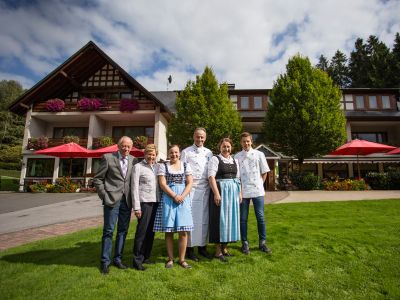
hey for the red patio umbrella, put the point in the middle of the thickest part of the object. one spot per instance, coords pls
(99, 152)
(395, 151)
(361, 147)
(70, 150)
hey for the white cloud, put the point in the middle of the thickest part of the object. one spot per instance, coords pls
(246, 42)
(24, 81)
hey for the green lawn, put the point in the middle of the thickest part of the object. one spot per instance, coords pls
(330, 250)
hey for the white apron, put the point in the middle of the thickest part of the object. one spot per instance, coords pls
(199, 195)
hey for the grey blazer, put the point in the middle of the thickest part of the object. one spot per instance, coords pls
(110, 182)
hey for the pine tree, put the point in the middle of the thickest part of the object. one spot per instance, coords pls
(323, 63)
(339, 71)
(359, 64)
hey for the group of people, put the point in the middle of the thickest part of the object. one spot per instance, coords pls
(203, 198)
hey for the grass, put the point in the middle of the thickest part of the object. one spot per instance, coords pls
(10, 173)
(328, 250)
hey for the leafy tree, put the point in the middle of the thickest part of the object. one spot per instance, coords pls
(304, 118)
(11, 125)
(338, 70)
(204, 103)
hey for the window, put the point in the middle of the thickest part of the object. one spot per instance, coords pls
(72, 167)
(376, 137)
(40, 167)
(234, 101)
(360, 102)
(244, 102)
(385, 102)
(373, 104)
(348, 102)
(257, 102)
(60, 132)
(133, 131)
(126, 95)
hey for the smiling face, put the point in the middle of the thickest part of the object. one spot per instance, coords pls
(174, 154)
(246, 143)
(199, 138)
(150, 157)
(225, 149)
(125, 146)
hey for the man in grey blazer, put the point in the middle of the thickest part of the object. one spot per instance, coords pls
(113, 183)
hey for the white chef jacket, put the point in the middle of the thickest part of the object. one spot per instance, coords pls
(252, 165)
(198, 158)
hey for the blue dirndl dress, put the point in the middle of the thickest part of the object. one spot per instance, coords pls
(172, 216)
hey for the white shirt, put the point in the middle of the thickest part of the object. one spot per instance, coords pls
(214, 162)
(252, 165)
(197, 158)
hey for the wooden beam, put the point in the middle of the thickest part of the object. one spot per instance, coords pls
(73, 81)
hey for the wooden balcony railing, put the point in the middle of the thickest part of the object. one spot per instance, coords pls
(150, 140)
(110, 105)
(59, 141)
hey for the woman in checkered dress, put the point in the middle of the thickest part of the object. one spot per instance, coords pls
(174, 213)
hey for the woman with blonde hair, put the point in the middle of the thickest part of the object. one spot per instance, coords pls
(145, 202)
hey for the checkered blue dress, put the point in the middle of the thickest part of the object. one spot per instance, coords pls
(170, 216)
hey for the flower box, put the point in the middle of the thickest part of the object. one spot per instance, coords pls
(55, 105)
(89, 104)
(128, 105)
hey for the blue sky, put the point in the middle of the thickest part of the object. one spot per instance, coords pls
(246, 42)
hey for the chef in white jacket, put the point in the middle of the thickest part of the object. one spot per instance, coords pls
(198, 156)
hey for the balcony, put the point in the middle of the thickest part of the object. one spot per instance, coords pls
(53, 142)
(111, 105)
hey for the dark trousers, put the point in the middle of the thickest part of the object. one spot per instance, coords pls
(122, 213)
(144, 236)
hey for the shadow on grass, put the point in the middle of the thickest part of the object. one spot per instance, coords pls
(81, 254)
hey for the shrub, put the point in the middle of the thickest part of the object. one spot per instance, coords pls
(377, 181)
(140, 142)
(9, 184)
(40, 187)
(307, 181)
(345, 185)
(89, 104)
(71, 139)
(128, 105)
(55, 105)
(64, 185)
(394, 180)
(10, 165)
(102, 141)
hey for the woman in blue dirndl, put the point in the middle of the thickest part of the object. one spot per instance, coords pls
(174, 213)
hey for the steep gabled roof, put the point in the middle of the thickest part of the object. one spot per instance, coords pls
(70, 75)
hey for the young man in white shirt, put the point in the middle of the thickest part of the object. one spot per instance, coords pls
(253, 172)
